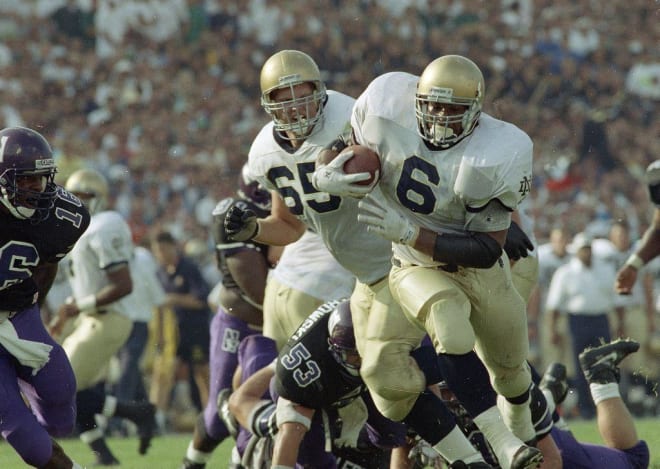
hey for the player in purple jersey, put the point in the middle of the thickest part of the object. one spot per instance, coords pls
(40, 224)
(244, 268)
(316, 384)
(622, 450)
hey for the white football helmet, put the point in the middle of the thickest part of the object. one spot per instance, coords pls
(90, 185)
(289, 68)
(450, 80)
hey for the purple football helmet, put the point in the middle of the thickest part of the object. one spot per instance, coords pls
(250, 189)
(25, 153)
(342, 338)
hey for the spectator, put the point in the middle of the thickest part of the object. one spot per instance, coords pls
(186, 293)
(582, 289)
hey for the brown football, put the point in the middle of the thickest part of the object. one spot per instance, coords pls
(364, 160)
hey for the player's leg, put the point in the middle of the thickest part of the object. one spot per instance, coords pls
(385, 337)
(285, 308)
(226, 334)
(96, 339)
(601, 369)
(435, 299)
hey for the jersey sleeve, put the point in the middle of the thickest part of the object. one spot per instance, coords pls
(113, 244)
(504, 174)
(69, 219)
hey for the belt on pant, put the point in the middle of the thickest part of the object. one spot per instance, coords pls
(450, 268)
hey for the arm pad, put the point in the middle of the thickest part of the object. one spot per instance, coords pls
(471, 249)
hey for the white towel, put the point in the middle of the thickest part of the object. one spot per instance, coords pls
(353, 417)
(27, 352)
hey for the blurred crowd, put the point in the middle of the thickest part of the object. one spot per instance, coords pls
(162, 96)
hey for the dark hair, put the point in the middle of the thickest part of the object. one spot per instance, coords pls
(163, 237)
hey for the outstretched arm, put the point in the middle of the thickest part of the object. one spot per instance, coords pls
(648, 250)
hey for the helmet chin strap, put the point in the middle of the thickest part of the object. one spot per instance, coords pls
(22, 213)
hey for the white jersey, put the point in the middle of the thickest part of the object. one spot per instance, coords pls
(334, 218)
(106, 243)
(308, 266)
(448, 190)
(147, 291)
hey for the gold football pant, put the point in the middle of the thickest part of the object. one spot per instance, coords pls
(470, 309)
(285, 308)
(95, 339)
(384, 338)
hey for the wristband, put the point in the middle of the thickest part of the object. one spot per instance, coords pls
(635, 262)
(87, 303)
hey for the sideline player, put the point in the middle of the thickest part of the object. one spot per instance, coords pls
(244, 267)
(306, 118)
(95, 323)
(40, 223)
(445, 200)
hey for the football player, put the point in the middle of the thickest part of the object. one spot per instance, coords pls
(315, 384)
(451, 176)
(244, 267)
(96, 322)
(649, 248)
(306, 118)
(622, 449)
(40, 224)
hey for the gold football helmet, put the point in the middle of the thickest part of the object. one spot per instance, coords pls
(91, 186)
(450, 94)
(301, 114)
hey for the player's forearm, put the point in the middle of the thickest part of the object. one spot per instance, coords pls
(278, 232)
(287, 444)
(480, 250)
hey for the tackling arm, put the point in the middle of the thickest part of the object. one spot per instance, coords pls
(291, 433)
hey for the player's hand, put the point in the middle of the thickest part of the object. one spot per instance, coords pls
(387, 223)
(241, 224)
(517, 243)
(332, 179)
(625, 280)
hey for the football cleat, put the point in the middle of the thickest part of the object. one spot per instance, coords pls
(554, 380)
(601, 364)
(527, 458)
(188, 464)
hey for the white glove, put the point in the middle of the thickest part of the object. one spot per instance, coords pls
(387, 223)
(332, 179)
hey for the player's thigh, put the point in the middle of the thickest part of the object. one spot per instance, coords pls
(285, 308)
(499, 315)
(433, 300)
(525, 275)
(96, 339)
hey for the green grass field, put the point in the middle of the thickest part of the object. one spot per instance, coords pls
(167, 451)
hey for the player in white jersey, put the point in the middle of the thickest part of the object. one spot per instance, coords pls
(100, 277)
(445, 200)
(305, 277)
(307, 118)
